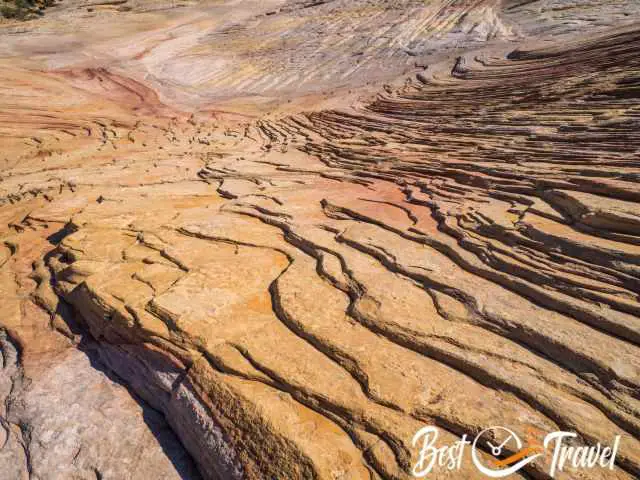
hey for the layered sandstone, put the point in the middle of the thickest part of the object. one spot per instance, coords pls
(274, 239)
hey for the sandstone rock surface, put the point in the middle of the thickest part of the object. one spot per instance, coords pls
(273, 239)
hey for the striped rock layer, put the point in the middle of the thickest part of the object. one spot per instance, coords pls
(275, 239)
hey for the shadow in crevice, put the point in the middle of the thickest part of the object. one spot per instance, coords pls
(183, 463)
(169, 442)
(154, 419)
(56, 237)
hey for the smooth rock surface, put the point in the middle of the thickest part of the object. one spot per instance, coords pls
(248, 239)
